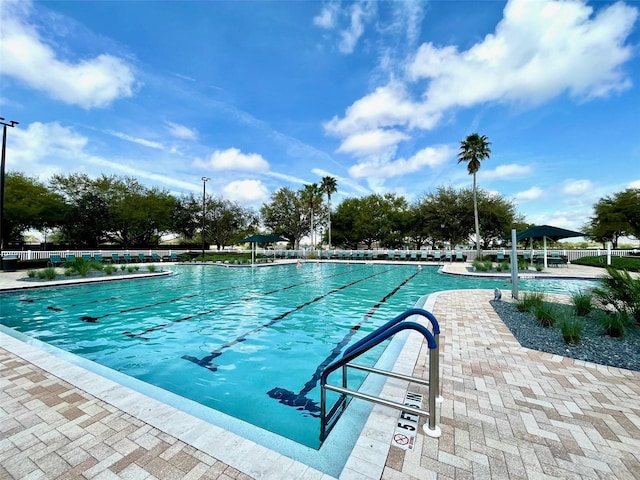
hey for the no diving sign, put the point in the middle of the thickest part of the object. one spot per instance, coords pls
(405, 434)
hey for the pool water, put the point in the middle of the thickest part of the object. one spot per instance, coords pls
(248, 342)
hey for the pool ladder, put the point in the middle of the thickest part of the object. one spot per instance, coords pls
(329, 419)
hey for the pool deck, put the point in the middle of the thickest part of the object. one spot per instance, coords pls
(507, 412)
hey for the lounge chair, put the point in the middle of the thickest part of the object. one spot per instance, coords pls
(448, 257)
(55, 260)
(142, 258)
(459, 257)
(424, 256)
(174, 257)
(403, 255)
(556, 260)
(155, 257)
(115, 258)
(391, 256)
(127, 257)
(97, 257)
(437, 257)
(414, 256)
(369, 255)
(70, 257)
(499, 257)
(86, 257)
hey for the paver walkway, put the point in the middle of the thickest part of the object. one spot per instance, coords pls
(514, 413)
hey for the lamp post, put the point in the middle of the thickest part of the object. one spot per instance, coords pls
(12, 123)
(204, 209)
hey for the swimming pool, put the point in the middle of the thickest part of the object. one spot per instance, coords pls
(248, 342)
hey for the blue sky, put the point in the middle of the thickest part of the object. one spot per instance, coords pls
(259, 95)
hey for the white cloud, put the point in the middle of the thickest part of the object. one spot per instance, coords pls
(50, 148)
(372, 141)
(356, 15)
(89, 83)
(634, 184)
(506, 172)
(327, 18)
(246, 191)
(182, 132)
(533, 193)
(427, 157)
(140, 141)
(234, 159)
(538, 51)
(576, 188)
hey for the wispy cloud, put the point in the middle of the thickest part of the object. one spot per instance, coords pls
(182, 132)
(139, 141)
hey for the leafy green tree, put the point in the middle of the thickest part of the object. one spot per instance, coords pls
(498, 216)
(329, 186)
(371, 219)
(473, 150)
(186, 217)
(28, 204)
(450, 217)
(615, 216)
(286, 215)
(88, 216)
(228, 222)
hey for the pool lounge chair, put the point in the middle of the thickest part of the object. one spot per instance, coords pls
(55, 260)
(86, 257)
(391, 256)
(155, 257)
(369, 255)
(70, 257)
(174, 257)
(424, 256)
(448, 257)
(556, 260)
(115, 258)
(499, 257)
(459, 257)
(142, 258)
(97, 257)
(403, 255)
(414, 256)
(437, 257)
(127, 257)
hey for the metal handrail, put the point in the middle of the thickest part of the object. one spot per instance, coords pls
(328, 420)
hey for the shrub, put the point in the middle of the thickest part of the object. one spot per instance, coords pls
(620, 291)
(109, 269)
(488, 264)
(31, 274)
(152, 268)
(529, 301)
(571, 328)
(546, 314)
(523, 264)
(499, 267)
(68, 272)
(506, 266)
(614, 324)
(47, 274)
(80, 266)
(582, 303)
(123, 267)
(479, 266)
(130, 268)
(136, 267)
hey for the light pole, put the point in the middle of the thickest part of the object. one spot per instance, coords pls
(204, 209)
(12, 123)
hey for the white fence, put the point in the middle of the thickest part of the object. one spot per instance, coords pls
(44, 255)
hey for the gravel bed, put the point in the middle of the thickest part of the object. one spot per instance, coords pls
(594, 345)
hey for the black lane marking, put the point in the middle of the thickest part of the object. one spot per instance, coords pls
(299, 400)
(230, 304)
(92, 319)
(206, 362)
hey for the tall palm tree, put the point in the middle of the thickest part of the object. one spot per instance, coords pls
(311, 196)
(473, 150)
(329, 186)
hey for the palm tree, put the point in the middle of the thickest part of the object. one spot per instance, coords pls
(311, 197)
(329, 186)
(473, 150)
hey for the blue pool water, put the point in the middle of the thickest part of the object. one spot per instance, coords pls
(248, 342)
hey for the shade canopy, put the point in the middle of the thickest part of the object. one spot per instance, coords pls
(553, 233)
(263, 239)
